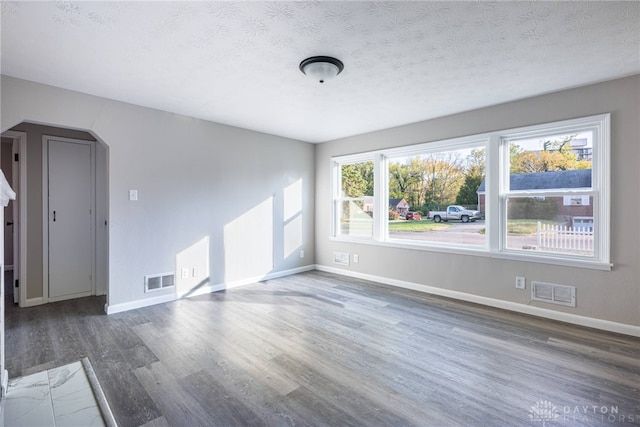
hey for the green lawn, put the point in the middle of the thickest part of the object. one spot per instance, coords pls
(416, 226)
(524, 227)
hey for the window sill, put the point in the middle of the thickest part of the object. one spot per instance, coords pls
(546, 259)
(478, 251)
(418, 246)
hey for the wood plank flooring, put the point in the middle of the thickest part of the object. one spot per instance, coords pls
(318, 349)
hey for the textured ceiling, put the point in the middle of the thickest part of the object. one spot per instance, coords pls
(237, 62)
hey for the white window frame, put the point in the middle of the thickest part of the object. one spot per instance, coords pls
(496, 192)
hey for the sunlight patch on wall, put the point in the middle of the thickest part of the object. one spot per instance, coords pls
(292, 218)
(292, 236)
(248, 243)
(192, 268)
(293, 200)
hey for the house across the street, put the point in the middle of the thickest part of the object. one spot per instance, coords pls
(397, 205)
(576, 210)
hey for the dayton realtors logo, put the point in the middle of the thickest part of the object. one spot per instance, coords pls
(544, 411)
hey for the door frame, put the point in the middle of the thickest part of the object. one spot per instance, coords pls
(13, 180)
(45, 214)
(19, 181)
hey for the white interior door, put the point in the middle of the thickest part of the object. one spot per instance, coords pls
(70, 222)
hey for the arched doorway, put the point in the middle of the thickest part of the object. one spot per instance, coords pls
(33, 187)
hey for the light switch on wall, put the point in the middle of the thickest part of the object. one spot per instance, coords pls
(133, 194)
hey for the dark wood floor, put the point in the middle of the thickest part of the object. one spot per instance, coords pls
(319, 349)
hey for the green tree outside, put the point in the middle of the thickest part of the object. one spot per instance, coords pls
(357, 179)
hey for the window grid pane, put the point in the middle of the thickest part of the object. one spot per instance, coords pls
(421, 185)
(545, 210)
(355, 201)
(538, 224)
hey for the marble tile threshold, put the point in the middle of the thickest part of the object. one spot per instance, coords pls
(66, 396)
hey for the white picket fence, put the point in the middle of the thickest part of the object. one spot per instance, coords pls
(572, 239)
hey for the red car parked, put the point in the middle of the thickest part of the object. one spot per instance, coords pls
(413, 215)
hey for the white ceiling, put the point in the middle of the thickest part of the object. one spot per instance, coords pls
(237, 62)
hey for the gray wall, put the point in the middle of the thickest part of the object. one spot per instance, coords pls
(199, 183)
(612, 296)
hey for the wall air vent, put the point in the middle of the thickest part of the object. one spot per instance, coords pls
(341, 258)
(156, 282)
(553, 293)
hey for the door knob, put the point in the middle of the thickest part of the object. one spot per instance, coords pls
(9, 223)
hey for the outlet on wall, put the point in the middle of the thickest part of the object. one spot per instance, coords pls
(520, 282)
(356, 258)
(301, 253)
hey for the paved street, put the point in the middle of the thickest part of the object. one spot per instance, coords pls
(460, 233)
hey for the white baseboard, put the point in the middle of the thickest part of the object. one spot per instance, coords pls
(4, 383)
(270, 276)
(606, 325)
(248, 281)
(140, 303)
(146, 302)
(32, 302)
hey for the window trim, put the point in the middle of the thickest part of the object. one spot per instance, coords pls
(496, 191)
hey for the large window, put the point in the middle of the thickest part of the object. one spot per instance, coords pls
(537, 193)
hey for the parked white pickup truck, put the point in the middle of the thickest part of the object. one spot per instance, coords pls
(454, 212)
